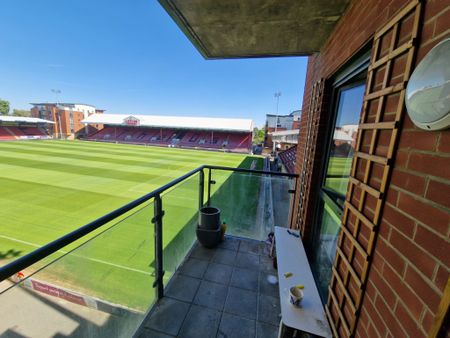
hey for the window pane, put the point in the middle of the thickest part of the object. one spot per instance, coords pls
(344, 138)
(325, 247)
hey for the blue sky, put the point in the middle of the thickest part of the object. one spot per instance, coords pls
(128, 56)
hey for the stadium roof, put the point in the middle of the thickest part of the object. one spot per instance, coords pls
(285, 132)
(61, 104)
(178, 122)
(341, 136)
(21, 119)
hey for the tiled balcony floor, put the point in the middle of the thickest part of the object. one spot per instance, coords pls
(224, 292)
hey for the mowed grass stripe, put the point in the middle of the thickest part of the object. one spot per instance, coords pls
(83, 170)
(95, 161)
(146, 159)
(147, 153)
(117, 149)
(72, 157)
(84, 183)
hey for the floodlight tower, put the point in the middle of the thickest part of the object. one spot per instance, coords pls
(277, 96)
(57, 92)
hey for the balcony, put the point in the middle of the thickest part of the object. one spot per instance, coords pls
(230, 291)
(140, 271)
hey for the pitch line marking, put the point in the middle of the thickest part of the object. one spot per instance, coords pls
(87, 258)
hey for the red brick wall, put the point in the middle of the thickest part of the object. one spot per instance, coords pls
(411, 263)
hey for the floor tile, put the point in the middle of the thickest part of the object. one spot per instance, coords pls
(247, 261)
(269, 309)
(219, 273)
(245, 279)
(200, 252)
(264, 330)
(194, 267)
(266, 264)
(241, 302)
(211, 295)
(182, 288)
(250, 247)
(268, 284)
(168, 316)
(200, 322)
(232, 326)
(147, 333)
(230, 243)
(224, 256)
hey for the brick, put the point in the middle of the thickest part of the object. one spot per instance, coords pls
(410, 182)
(424, 212)
(391, 256)
(408, 124)
(428, 30)
(427, 321)
(389, 319)
(418, 140)
(374, 316)
(442, 22)
(430, 164)
(385, 230)
(372, 331)
(439, 192)
(410, 324)
(392, 195)
(391, 103)
(408, 296)
(432, 243)
(377, 262)
(385, 290)
(433, 8)
(422, 288)
(399, 64)
(413, 253)
(399, 221)
(444, 142)
(442, 276)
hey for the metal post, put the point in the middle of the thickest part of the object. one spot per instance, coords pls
(292, 207)
(157, 221)
(201, 190)
(209, 188)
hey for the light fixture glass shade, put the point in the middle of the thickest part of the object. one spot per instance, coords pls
(428, 92)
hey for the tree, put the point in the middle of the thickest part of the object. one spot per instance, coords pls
(258, 135)
(4, 107)
(21, 112)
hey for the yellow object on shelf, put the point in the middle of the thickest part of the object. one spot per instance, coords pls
(288, 274)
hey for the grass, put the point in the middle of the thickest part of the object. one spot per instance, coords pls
(338, 166)
(50, 188)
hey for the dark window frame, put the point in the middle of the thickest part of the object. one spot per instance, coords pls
(350, 75)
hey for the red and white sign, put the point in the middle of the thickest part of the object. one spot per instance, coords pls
(132, 121)
(57, 292)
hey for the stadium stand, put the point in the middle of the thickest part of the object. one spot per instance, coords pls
(22, 128)
(287, 158)
(234, 135)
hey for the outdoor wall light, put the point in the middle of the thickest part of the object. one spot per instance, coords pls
(428, 92)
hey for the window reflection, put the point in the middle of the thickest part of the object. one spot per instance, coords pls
(344, 139)
(348, 108)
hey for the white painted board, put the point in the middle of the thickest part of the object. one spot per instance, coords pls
(291, 257)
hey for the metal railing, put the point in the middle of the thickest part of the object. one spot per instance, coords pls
(37, 255)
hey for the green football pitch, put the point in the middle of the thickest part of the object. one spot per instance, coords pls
(49, 188)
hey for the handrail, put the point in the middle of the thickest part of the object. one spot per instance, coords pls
(36, 255)
(251, 171)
